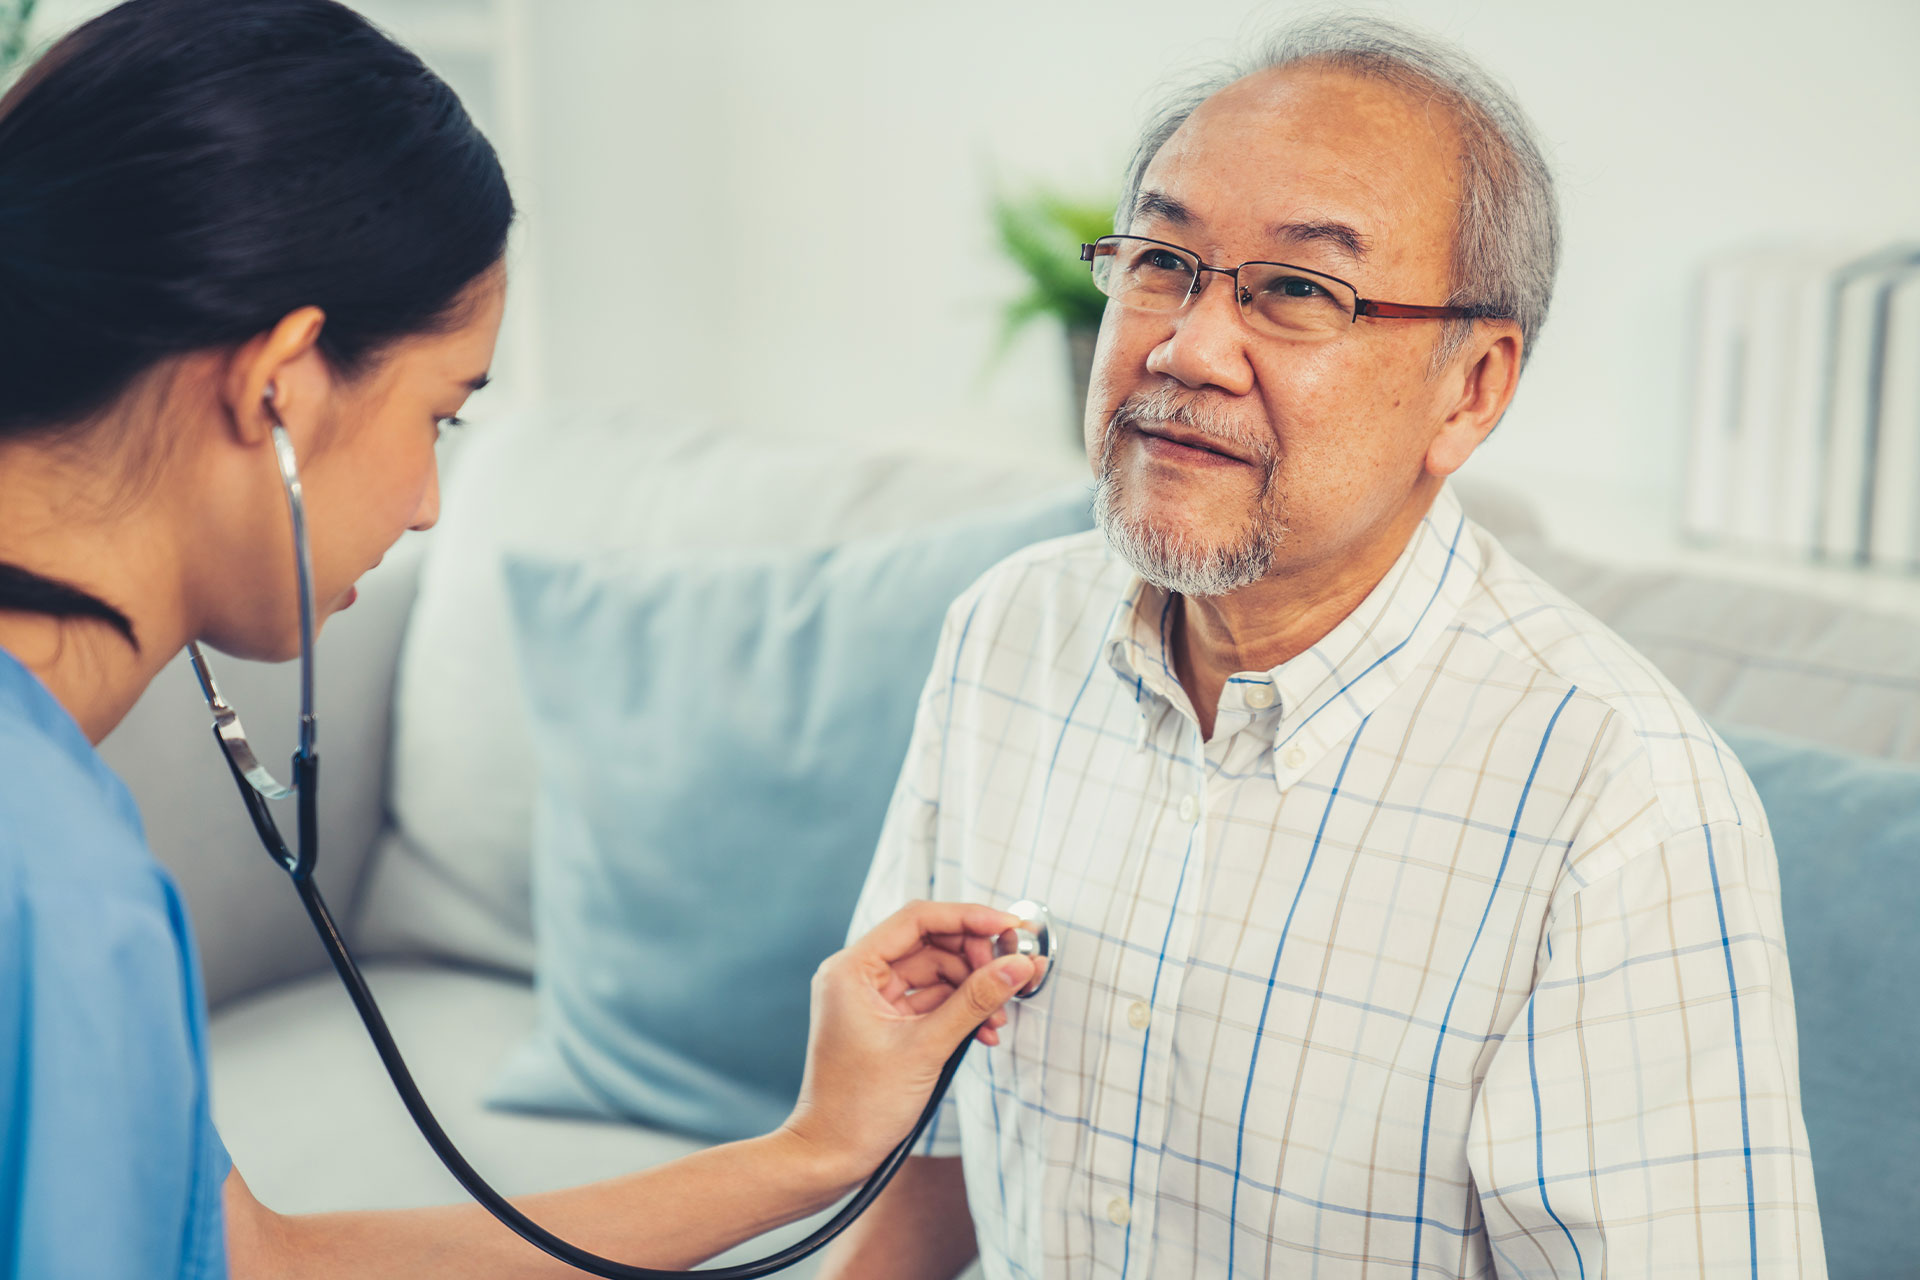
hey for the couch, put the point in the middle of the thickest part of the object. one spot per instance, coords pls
(426, 795)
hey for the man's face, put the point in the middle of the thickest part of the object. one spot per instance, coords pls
(1320, 445)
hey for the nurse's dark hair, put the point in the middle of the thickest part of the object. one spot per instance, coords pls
(179, 175)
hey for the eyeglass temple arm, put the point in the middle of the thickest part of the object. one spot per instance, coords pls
(1410, 311)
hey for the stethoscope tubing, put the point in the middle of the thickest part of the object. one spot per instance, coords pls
(300, 872)
(299, 862)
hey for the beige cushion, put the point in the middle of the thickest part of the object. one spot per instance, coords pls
(314, 1125)
(251, 929)
(1784, 661)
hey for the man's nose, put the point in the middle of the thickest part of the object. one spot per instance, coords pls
(1208, 345)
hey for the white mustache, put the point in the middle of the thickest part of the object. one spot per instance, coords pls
(1167, 404)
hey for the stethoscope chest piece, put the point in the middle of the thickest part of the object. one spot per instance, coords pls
(1035, 939)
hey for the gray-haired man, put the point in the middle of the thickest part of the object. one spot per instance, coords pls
(1412, 924)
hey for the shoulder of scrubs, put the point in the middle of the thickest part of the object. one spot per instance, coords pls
(109, 1164)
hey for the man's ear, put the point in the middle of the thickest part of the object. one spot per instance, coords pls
(285, 359)
(1486, 377)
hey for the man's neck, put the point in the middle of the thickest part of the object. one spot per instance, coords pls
(1261, 626)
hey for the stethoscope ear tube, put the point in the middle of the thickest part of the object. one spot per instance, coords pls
(257, 809)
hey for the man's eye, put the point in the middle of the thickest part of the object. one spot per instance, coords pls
(1161, 260)
(1296, 287)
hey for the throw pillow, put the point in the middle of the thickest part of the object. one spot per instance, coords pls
(717, 741)
(1847, 831)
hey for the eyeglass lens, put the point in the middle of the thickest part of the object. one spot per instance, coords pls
(1281, 300)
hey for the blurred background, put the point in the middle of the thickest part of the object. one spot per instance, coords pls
(752, 212)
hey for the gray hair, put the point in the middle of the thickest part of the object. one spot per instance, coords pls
(1506, 237)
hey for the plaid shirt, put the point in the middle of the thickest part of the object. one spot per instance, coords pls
(1456, 951)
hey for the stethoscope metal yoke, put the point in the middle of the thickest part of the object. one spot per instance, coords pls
(257, 785)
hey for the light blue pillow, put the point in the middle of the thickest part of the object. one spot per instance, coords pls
(717, 742)
(1847, 831)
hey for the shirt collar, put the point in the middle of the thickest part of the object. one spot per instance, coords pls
(1324, 693)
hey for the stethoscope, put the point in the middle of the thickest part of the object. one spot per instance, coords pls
(257, 786)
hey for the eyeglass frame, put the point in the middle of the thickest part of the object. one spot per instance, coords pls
(1361, 306)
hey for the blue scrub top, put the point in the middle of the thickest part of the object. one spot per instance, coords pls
(109, 1163)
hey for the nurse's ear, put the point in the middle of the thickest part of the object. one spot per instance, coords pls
(285, 362)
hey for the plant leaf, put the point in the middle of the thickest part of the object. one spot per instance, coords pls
(14, 16)
(1042, 233)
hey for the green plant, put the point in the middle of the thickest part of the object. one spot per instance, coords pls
(1042, 234)
(14, 16)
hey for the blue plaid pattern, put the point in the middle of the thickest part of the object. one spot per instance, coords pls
(1456, 951)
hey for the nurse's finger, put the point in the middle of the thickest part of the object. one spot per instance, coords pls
(923, 968)
(979, 998)
(976, 948)
(912, 925)
(928, 999)
(932, 998)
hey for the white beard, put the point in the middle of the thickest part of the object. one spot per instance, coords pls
(1171, 561)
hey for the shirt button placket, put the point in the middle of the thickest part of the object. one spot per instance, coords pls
(1143, 1054)
(1150, 1029)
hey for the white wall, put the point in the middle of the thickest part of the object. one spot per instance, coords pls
(762, 211)
(773, 212)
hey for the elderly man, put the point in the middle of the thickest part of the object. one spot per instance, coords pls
(1411, 924)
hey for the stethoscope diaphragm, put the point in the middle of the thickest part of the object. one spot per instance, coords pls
(1035, 939)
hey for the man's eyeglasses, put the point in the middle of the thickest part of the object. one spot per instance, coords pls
(1276, 299)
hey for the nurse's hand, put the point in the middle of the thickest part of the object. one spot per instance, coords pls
(887, 1012)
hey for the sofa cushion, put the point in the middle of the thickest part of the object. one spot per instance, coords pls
(314, 1125)
(1789, 662)
(1847, 831)
(310, 1118)
(718, 740)
(451, 878)
(251, 929)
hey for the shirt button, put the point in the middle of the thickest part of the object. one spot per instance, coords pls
(1295, 757)
(1138, 1015)
(1117, 1212)
(1189, 808)
(1260, 697)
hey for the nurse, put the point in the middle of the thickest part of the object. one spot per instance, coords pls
(213, 214)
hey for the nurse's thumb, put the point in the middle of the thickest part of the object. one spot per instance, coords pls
(981, 995)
